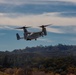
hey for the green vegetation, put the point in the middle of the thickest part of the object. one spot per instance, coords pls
(59, 59)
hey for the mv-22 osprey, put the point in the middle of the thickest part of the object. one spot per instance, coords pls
(32, 35)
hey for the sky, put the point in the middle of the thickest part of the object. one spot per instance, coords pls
(16, 13)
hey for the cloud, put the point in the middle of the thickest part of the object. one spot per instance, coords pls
(7, 27)
(73, 39)
(56, 13)
(53, 6)
(45, 40)
(70, 29)
(54, 30)
(68, 0)
(33, 1)
(35, 20)
(41, 19)
(67, 14)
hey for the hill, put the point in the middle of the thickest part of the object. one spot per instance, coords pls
(45, 58)
(49, 51)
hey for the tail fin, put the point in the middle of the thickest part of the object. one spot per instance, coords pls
(18, 37)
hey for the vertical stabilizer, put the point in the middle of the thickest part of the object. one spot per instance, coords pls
(18, 37)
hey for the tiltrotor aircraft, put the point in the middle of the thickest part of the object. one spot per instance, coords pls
(32, 35)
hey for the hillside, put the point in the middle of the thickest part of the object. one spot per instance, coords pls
(49, 51)
(60, 58)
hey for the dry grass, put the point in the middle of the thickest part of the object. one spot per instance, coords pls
(20, 71)
(2, 73)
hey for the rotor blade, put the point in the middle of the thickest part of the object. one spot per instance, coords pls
(45, 25)
(19, 28)
(27, 26)
(22, 27)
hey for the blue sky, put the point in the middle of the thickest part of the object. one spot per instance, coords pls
(60, 13)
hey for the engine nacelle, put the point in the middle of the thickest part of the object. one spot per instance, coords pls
(44, 31)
